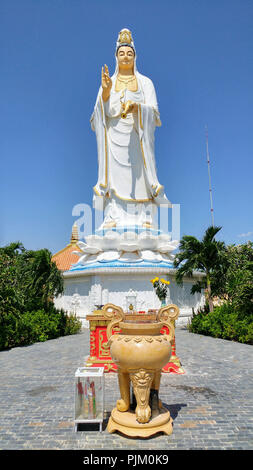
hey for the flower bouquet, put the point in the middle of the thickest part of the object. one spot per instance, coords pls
(161, 287)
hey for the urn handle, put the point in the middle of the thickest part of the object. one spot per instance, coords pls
(167, 316)
(115, 314)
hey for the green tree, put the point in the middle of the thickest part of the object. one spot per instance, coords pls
(202, 255)
(11, 288)
(45, 278)
(29, 279)
(234, 281)
(12, 250)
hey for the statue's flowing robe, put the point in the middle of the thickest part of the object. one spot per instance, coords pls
(126, 157)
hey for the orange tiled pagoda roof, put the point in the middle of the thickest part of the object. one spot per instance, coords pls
(65, 257)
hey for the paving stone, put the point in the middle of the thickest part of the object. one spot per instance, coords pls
(211, 404)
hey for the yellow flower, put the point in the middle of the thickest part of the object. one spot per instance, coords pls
(165, 282)
(154, 280)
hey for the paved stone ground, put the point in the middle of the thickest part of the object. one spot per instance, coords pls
(211, 404)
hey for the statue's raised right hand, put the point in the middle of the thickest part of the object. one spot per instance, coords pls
(106, 83)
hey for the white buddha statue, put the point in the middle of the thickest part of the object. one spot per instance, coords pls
(124, 119)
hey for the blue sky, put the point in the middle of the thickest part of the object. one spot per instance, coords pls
(198, 54)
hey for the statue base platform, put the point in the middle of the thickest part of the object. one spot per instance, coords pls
(117, 267)
(126, 423)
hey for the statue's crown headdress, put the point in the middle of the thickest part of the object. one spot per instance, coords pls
(125, 39)
(125, 36)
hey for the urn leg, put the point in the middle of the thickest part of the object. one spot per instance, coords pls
(154, 392)
(156, 380)
(124, 386)
(141, 380)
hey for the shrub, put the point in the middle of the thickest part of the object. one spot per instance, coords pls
(31, 327)
(73, 325)
(8, 328)
(226, 322)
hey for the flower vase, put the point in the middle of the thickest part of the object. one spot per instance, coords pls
(163, 302)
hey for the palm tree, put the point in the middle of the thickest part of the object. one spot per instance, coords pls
(204, 256)
(12, 250)
(46, 279)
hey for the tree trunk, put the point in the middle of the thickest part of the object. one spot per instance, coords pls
(209, 294)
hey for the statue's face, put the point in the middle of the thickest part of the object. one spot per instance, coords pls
(125, 57)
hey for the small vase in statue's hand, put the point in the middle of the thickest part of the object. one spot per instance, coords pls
(126, 108)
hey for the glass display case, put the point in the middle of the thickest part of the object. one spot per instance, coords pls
(89, 396)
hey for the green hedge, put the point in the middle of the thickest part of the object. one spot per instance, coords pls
(224, 322)
(30, 327)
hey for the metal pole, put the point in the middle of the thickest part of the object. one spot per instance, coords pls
(209, 176)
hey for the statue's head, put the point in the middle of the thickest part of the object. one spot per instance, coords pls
(125, 57)
(125, 50)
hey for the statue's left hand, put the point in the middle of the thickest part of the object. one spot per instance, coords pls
(133, 108)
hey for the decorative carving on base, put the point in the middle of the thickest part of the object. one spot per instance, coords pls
(126, 424)
(141, 380)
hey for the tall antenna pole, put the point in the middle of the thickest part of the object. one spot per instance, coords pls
(209, 175)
